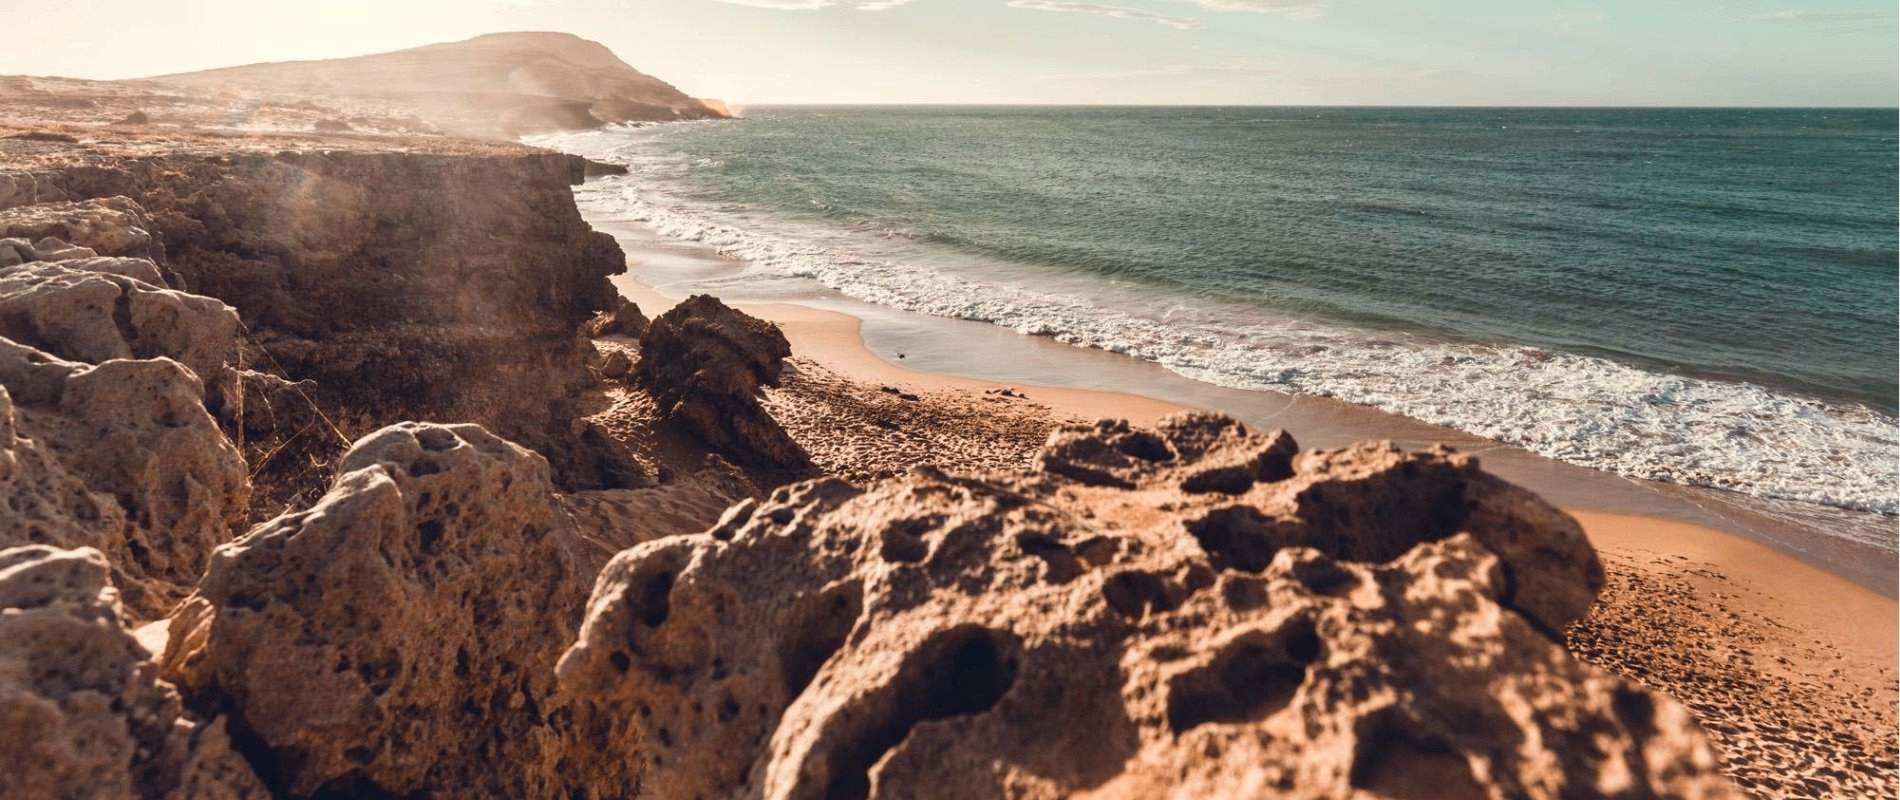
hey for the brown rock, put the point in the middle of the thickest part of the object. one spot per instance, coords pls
(1038, 635)
(52, 249)
(617, 365)
(139, 269)
(111, 226)
(161, 484)
(84, 311)
(16, 251)
(705, 365)
(1370, 502)
(596, 169)
(46, 503)
(84, 715)
(399, 637)
(625, 320)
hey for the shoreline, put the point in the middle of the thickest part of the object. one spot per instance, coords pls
(964, 354)
(1819, 597)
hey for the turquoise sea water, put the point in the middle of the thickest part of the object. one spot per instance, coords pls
(1699, 296)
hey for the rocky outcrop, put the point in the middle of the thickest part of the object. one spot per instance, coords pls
(467, 276)
(83, 711)
(1194, 611)
(1369, 503)
(399, 636)
(121, 456)
(624, 320)
(705, 365)
(108, 226)
(106, 377)
(87, 310)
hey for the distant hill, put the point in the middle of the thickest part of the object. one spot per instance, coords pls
(498, 85)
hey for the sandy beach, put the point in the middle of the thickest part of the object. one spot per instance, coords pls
(1771, 650)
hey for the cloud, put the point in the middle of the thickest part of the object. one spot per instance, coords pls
(1855, 20)
(813, 5)
(1299, 9)
(1118, 12)
(1167, 71)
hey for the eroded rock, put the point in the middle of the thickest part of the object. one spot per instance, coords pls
(121, 456)
(399, 636)
(87, 310)
(109, 226)
(1052, 634)
(83, 712)
(705, 365)
(624, 320)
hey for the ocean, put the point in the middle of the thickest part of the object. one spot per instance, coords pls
(1699, 296)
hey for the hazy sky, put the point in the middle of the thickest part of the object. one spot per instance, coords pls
(1456, 52)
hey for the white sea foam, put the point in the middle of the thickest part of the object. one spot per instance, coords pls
(1584, 410)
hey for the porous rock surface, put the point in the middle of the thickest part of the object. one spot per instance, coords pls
(122, 456)
(87, 310)
(83, 713)
(400, 635)
(108, 226)
(705, 365)
(1357, 621)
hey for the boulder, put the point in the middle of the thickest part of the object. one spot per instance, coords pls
(398, 638)
(86, 310)
(84, 713)
(617, 365)
(138, 269)
(52, 249)
(1078, 629)
(109, 226)
(161, 483)
(1256, 494)
(624, 320)
(705, 365)
(16, 251)
(46, 503)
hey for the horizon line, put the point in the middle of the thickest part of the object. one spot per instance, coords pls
(1559, 106)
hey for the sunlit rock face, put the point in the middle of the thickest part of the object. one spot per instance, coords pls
(705, 365)
(404, 284)
(400, 635)
(83, 711)
(1194, 611)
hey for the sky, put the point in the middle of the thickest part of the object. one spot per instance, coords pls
(1266, 52)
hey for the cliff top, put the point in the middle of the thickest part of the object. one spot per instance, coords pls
(55, 122)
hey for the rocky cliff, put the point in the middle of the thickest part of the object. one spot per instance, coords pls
(436, 284)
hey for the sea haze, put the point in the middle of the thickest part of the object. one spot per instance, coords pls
(1700, 296)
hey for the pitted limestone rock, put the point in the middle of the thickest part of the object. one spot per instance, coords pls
(86, 310)
(84, 715)
(121, 456)
(399, 636)
(1040, 634)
